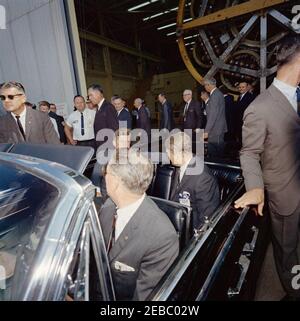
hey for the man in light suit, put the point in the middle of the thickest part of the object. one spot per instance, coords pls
(141, 240)
(216, 125)
(270, 158)
(166, 115)
(22, 124)
(193, 184)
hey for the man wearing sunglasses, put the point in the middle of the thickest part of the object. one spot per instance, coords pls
(22, 124)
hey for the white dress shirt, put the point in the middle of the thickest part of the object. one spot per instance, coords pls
(74, 121)
(54, 123)
(213, 91)
(242, 95)
(125, 214)
(288, 91)
(22, 119)
(186, 107)
(183, 168)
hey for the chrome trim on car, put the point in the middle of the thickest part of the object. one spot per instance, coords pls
(54, 253)
(221, 256)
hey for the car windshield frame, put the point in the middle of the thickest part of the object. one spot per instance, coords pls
(51, 255)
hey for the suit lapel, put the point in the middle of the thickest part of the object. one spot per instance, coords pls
(128, 232)
(14, 129)
(283, 102)
(28, 123)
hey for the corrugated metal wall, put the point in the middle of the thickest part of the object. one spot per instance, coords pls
(35, 50)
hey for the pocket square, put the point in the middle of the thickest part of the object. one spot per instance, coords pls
(119, 266)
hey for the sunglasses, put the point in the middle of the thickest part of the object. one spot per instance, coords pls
(10, 97)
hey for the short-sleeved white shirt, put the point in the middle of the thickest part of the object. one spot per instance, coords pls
(74, 121)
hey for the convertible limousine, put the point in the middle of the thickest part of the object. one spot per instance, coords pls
(52, 247)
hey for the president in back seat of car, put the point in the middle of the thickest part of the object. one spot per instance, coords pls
(140, 239)
(193, 184)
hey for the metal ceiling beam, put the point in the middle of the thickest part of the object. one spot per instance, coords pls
(117, 46)
(231, 12)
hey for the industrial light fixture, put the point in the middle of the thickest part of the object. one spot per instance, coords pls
(144, 4)
(159, 14)
(163, 12)
(171, 33)
(190, 43)
(173, 24)
(167, 26)
(189, 37)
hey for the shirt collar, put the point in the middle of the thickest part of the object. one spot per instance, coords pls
(184, 167)
(285, 88)
(101, 103)
(213, 90)
(119, 112)
(23, 113)
(126, 213)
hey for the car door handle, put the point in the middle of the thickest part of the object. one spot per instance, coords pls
(244, 263)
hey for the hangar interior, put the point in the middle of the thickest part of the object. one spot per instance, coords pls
(138, 48)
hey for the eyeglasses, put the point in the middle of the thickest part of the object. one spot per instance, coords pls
(10, 97)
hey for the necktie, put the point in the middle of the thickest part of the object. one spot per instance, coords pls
(20, 127)
(82, 124)
(111, 240)
(185, 109)
(298, 100)
(175, 183)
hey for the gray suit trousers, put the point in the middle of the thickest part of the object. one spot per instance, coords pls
(285, 231)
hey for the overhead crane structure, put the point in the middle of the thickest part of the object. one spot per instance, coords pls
(235, 40)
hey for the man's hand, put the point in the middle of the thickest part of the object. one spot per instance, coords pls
(73, 142)
(205, 136)
(254, 197)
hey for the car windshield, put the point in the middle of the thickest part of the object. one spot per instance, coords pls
(27, 203)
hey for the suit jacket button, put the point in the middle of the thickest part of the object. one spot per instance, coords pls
(126, 238)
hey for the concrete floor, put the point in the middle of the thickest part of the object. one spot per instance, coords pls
(268, 285)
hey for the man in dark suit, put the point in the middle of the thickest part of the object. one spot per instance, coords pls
(193, 184)
(216, 125)
(123, 113)
(143, 121)
(106, 115)
(22, 124)
(140, 239)
(244, 100)
(46, 107)
(270, 158)
(166, 115)
(204, 101)
(60, 123)
(193, 117)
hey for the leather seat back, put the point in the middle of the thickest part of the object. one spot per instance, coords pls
(161, 184)
(179, 215)
(75, 157)
(228, 177)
